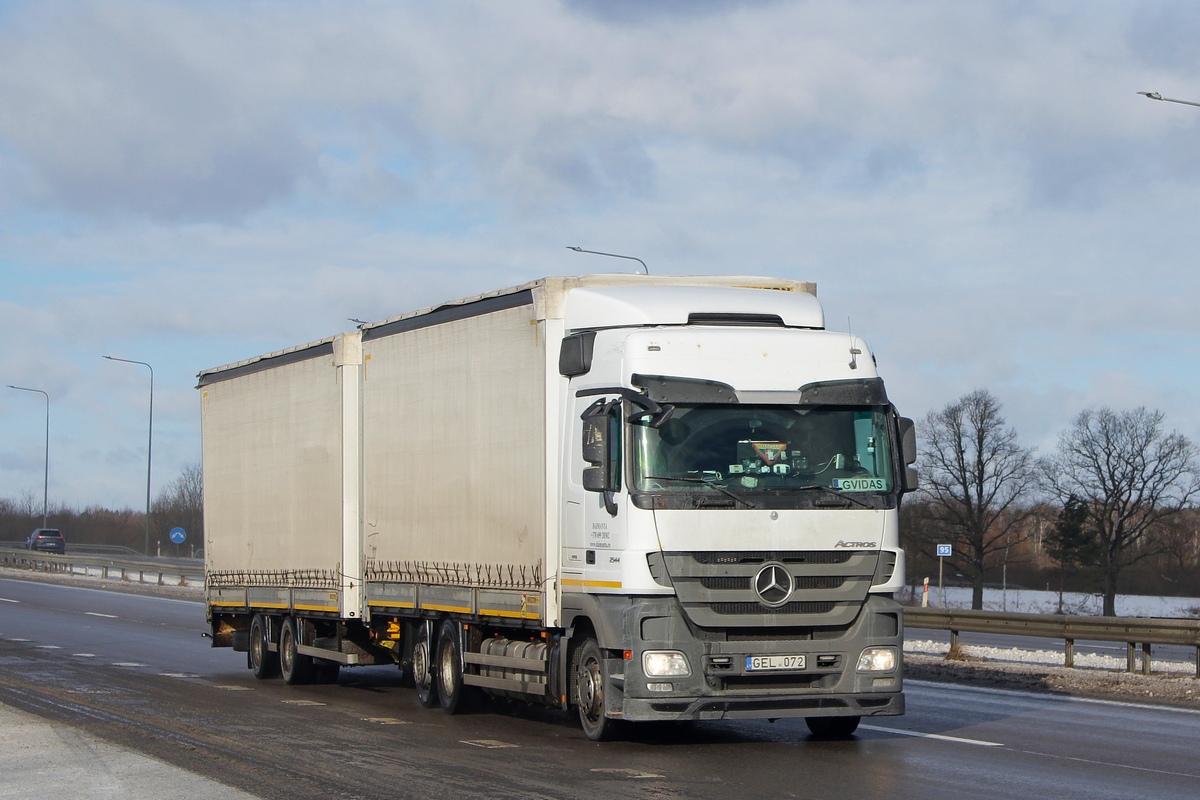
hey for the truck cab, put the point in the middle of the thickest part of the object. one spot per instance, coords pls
(730, 509)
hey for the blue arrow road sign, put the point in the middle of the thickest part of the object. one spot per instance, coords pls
(178, 535)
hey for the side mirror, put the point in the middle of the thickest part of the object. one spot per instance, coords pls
(595, 479)
(597, 451)
(595, 434)
(908, 451)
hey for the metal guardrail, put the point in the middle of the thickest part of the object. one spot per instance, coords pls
(142, 571)
(1133, 631)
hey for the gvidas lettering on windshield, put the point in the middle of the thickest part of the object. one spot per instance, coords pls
(860, 484)
(857, 545)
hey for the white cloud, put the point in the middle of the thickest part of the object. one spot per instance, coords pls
(977, 186)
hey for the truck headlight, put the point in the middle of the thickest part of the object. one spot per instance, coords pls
(877, 659)
(665, 664)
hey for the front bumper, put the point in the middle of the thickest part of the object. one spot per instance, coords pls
(720, 686)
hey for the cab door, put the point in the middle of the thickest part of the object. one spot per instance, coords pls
(594, 532)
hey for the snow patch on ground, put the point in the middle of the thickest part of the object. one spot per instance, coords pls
(1050, 657)
(1033, 601)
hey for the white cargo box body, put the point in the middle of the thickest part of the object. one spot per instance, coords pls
(421, 450)
(272, 467)
(455, 446)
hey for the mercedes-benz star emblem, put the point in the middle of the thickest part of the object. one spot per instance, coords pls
(773, 585)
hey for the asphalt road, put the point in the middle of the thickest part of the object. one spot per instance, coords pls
(135, 671)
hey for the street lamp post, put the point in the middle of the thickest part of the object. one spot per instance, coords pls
(1157, 96)
(46, 479)
(149, 441)
(610, 255)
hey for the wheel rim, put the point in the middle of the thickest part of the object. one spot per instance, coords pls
(256, 647)
(285, 650)
(448, 669)
(591, 692)
(421, 664)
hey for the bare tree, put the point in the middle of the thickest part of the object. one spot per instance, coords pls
(975, 477)
(181, 504)
(1133, 477)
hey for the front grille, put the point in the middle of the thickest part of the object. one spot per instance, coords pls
(786, 681)
(787, 557)
(806, 582)
(727, 609)
(723, 584)
(716, 589)
(819, 581)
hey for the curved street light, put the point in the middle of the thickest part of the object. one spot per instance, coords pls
(1157, 96)
(46, 480)
(149, 441)
(611, 255)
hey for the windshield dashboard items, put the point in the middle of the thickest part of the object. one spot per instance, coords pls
(764, 455)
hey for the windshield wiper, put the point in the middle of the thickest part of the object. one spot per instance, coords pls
(706, 482)
(816, 487)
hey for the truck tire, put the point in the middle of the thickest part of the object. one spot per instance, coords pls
(296, 668)
(423, 676)
(591, 678)
(454, 695)
(832, 727)
(263, 662)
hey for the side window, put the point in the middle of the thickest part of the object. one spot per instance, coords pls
(614, 448)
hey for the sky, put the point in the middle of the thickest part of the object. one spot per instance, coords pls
(976, 188)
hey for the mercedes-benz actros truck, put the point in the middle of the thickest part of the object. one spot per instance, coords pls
(634, 497)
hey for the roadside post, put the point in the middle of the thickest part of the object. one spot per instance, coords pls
(925, 595)
(943, 552)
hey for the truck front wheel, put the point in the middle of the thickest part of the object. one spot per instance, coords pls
(590, 681)
(832, 727)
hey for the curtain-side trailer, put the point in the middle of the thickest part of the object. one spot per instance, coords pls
(638, 497)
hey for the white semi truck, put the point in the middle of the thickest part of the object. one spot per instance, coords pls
(639, 497)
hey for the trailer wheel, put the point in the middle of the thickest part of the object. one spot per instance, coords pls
(264, 663)
(832, 727)
(590, 679)
(455, 696)
(422, 668)
(296, 668)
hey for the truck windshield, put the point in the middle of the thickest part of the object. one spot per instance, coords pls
(743, 449)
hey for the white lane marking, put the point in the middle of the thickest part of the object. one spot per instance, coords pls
(178, 675)
(98, 614)
(938, 736)
(1109, 764)
(6, 600)
(234, 688)
(84, 655)
(128, 664)
(303, 703)
(385, 720)
(47, 647)
(628, 773)
(488, 744)
(18, 640)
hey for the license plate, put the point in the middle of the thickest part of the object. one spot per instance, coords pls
(763, 663)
